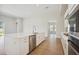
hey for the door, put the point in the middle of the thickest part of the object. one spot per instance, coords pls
(52, 29)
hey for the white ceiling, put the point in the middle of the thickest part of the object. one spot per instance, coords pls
(28, 10)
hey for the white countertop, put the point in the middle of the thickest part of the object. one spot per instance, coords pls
(18, 35)
(15, 35)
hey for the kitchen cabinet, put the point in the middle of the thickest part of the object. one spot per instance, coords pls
(2, 51)
(72, 8)
(24, 46)
(64, 41)
(39, 38)
(11, 45)
(15, 45)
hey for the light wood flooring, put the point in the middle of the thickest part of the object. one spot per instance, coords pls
(49, 47)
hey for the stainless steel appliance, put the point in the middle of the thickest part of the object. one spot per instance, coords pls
(73, 42)
(32, 42)
(73, 47)
(74, 22)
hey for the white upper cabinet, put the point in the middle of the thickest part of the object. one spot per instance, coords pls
(72, 8)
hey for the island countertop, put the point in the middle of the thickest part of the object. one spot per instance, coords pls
(74, 34)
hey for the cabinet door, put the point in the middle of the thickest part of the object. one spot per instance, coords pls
(70, 6)
(2, 50)
(11, 45)
(42, 37)
(24, 46)
(65, 44)
(39, 39)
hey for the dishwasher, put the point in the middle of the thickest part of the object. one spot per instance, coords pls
(32, 42)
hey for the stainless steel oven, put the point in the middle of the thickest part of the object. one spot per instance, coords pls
(73, 47)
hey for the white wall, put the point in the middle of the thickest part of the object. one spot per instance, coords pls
(10, 24)
(39, 16)
(41, 25)
(61, 20)
(60, 26)
(19, 25)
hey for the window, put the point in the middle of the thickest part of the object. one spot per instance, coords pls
(1, 29)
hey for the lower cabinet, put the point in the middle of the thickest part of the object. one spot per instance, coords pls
(64, 41)
(20, 45)
(11, 45)
(40, 38)
(16, 46)
(24, 46)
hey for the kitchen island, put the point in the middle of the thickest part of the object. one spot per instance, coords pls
(18, 43)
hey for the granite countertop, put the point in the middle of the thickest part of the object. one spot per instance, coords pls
(65, 33)
(74, 34)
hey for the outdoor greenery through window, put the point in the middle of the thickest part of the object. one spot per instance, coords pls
(1, 29)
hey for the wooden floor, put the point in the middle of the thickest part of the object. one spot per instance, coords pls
(49, 47)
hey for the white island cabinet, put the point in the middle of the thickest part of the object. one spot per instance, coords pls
(16, 45)
(40, 37)
(24, 46)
